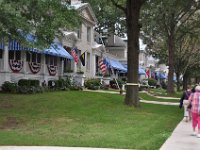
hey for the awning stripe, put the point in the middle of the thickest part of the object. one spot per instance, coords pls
(115, 64)
(55, 49)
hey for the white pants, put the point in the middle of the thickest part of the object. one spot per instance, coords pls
(185, 104)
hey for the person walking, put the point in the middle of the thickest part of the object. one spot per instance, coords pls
(184, 102)
(194, 100)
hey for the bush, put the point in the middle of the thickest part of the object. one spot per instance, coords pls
(9, 87)
(28, 83)
(152, 82)
(68, 82)
(24, 82)
(163, 85)
(113, 83)
(92, 84)
(60, 84)
(35, 83)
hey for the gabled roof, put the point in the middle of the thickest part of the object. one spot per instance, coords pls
(81, 6)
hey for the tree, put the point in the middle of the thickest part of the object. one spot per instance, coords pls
(163, 20)
(110, 19)
(187, 56)
(44, 19)
(132, 12)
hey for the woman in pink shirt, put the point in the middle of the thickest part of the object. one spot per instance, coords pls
(194, 99)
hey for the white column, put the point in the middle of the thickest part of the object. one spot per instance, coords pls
(6, 65)
(43, 65)
(23, 55)
(5, 59)
(62, 68)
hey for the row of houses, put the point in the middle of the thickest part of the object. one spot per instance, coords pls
(18, 62)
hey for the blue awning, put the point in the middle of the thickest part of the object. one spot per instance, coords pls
(55, 49)
(14, 45)
(62, 52)
(162, 76)
(115, 64)
(141, 71)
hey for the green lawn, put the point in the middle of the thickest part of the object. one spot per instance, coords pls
(84, 119)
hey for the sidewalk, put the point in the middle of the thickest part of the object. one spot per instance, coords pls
(181, 138)
(50, 148)
(144, 101)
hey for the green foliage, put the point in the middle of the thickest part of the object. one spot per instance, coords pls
(30, 89)
(113, 83)
(45, 19)
(28, 82)
(9, 87)
(152, 82)
(109, 17)
(92, 84)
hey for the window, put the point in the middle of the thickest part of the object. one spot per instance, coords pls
(16, 55)
(67, 65)
(33, 57)
(79, 33)
(88, 62)
(1, 54)
(97, 65)
(51, 60)
(89, 34)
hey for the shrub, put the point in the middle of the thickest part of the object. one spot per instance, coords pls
(152, 82)
(35, 83)
(28, 82)
(23, 82)
(9, 87)
(92, 84)
(163, 85)
(59, 84)
(68, 82)
(113, 83)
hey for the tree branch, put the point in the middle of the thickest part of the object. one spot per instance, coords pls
(119, 6)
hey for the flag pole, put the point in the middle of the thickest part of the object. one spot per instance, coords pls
(112, 70)
(111, 66)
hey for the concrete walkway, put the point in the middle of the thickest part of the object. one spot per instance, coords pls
(181, 138)
(50, 148)
(144, 101)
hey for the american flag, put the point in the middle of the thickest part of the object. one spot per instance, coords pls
(74, 52)
(102, 65)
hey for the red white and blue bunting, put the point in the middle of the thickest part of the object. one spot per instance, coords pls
(52, 70)
(34, 67)
(16, 65)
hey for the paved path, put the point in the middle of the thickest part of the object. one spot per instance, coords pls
(50, 148)
(181, 138)
(144, 101)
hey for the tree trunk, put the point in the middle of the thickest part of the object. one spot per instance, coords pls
(171, 46)
(185, 81)
(133, 29)
(178, 81)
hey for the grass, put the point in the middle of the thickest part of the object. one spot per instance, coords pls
(147, 97)
(84, 119)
